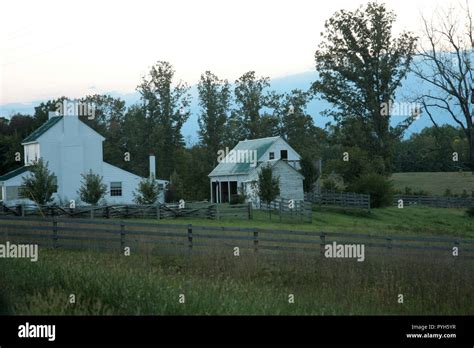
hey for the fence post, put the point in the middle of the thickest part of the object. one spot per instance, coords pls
(255, 240)
(389, 243)
(250, 210)
(122, 236)
(281, 208)
(55, 233)
(190, 237)
(322, 236)
(158, 211)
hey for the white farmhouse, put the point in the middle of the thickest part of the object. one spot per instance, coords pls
(237, 173)
(71, 148)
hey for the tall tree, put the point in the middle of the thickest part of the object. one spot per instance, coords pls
(214, 99)
(251, 118)
(297, 126)
(445, 64)
(360, 66)
(107, 119)
(167, 109)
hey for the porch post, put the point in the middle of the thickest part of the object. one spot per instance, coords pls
(220, 191)
(228, 191)
(212, 196)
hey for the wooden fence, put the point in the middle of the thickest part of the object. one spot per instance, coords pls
(340, 199)
(286, 210)
(203, 210)
(435, 201)
(174, 238)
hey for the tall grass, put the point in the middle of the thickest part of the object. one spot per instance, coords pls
(150, 284)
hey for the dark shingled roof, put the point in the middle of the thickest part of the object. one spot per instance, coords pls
(43, 129)
(13, 173)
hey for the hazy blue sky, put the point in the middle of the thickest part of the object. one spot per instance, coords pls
(54, 48)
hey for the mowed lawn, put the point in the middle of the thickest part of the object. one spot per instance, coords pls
(409, 221)
(435, 183)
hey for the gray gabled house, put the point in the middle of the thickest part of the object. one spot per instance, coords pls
(237, 172)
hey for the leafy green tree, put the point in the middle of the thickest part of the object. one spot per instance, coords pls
(214, 99)
(297, 126)
(360, 66)
(166, 109)
(176, 189)
(107, 119)
(268, 185)
(249, 119)
(147, 192)
(40, 184)
(377, 186)
(310, 173)
(92, 188)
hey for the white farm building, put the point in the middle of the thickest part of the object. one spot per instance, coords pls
(71, 148)
(238, 172)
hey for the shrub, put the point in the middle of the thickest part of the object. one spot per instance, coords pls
(470, 212)
(147, 192)
(92, 188)
(447, 193)
(237, 199)
(40, 184)
(378, 186)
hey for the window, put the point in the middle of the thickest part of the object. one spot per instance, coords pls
(116, 189)
(14, 192)
(272, 155)
(32, 153)
(284, 154)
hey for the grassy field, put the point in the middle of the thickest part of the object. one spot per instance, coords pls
(112, 284)
(435, 183)
(409, 221)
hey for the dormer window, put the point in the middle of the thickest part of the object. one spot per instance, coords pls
(32, 153)
(271, 155)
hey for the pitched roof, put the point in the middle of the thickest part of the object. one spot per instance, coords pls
(42, 129)
(13, 173)
(259, 145)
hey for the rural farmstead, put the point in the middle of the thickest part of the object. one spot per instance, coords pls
(238, 171)
(71, 148)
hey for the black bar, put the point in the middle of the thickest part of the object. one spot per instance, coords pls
(348, 330)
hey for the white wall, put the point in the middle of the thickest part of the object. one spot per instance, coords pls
(276, 147)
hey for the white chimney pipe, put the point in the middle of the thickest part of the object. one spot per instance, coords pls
(152, 167)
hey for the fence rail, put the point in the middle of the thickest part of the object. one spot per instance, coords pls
(161, 211)
(435, 201)
(289, 210)
(177, 238)
(340, 199)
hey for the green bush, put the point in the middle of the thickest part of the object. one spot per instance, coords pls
(237, 199)
(470, 211)
(378, 186)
